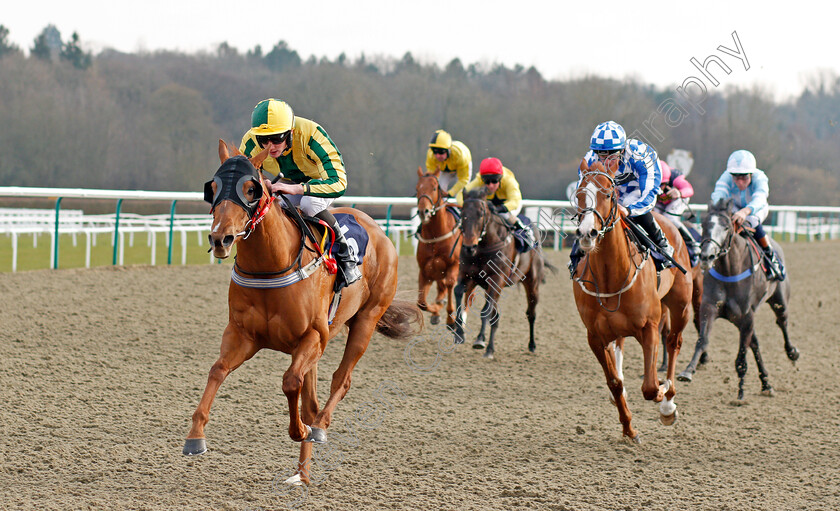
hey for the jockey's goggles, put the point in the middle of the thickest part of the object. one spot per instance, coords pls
(276, 139)
(439, 150)
(739, 176)
(491, 178)
(604, 155)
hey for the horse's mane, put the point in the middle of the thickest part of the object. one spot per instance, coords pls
(478, 193)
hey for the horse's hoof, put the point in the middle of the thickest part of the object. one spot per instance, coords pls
(435, 320)
(532, 348)
(636, 439)
(316, 436)
(793, 355)
(769, 392)
(685, 376)
(479, 345)
(704, 358)
(489, 356)
(194, 446)
(668, 420)
(295, 480)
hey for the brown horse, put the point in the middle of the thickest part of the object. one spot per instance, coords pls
(273, 252)
(618, 293)
(489, 259)
(439, 247)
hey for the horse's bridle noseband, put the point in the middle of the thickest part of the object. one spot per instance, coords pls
(723, 248)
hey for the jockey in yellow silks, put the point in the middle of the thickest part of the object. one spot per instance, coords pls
(450, 161)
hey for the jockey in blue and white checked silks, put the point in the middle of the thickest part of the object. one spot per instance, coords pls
(637, 178)
(749, 189)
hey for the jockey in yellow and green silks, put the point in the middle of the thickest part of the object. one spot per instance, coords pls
(301, 152)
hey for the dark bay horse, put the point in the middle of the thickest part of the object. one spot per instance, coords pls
(734, 287)
(279, 297)
(439, 247)
(489, 260)
(618, 293)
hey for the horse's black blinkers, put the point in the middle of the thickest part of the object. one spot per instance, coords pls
(230, 179)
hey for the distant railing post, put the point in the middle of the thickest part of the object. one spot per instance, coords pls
(388, 219)
(171, 231)
(54, 264)
(117, 232)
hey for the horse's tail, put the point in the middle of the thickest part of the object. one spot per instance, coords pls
(401, 320)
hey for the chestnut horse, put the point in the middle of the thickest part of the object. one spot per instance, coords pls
(279, 297)
(439, 247)
(618, 293)
(489, 259)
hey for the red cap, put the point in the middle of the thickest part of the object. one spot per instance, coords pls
(491, 166)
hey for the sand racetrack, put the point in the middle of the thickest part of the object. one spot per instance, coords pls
(101, 370)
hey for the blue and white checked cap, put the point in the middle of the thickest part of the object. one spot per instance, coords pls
(741, 162)
(608, 136)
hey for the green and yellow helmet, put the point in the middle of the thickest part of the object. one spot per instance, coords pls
(271, 116)
(441, 140)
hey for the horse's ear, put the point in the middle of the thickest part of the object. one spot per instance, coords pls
(419, 172)
(258, 160)
(224, 154)
(583, 166)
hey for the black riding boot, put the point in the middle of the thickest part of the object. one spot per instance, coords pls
(574, 258)
(344, 255)
(690, 243)
(654, 232)
(774, 269)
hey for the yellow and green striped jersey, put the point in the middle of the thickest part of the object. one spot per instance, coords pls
(508, 192)
(313, 160)
(459, 161)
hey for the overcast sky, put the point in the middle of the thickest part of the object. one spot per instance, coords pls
(784, 45)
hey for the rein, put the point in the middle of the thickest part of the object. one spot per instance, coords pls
(299, 272)
(723, 252)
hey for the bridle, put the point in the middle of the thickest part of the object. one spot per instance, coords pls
(607, 224)
(485, 218)
(722, 248)
(437, 205)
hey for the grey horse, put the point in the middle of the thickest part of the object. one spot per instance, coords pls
(734, 287)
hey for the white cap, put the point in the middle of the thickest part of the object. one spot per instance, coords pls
(741, 162)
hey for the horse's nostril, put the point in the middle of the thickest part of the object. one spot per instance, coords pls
(593, 233)
(228, 240)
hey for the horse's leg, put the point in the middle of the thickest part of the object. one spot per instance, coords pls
(763, 375)
(618, 353)
(308, 411)
(708, 313)
(532, 294)
(664, 331)
(464, 288)
(480, 340)
(449, 281)
(358, 338)
(778, 302)
(304, 358)
(651, 390)
(234, 351)
(423, 291)
(606, 358)
(492, 296)
(677, 322)
(746, 331)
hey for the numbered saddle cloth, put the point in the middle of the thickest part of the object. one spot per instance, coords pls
(356, 235)
(520, 236)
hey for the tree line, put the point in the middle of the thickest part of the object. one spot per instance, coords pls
(151, 120)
